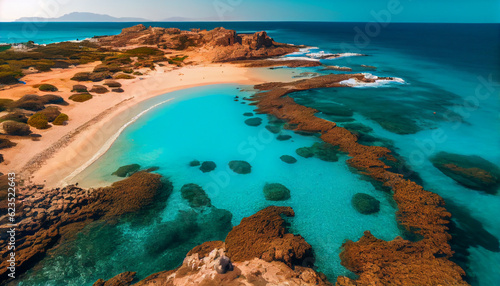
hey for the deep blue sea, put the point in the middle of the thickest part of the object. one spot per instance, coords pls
(450, 71)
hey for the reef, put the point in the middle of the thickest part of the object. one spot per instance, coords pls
(45, 216)
(288, 159)
(420, 213)
(365, 203)
(195, 196)
(323, 151)
(127, 170)
(255, 121)
(276, 192)
(207, 166)
(472, 172)
(240, 167)
(259, 251)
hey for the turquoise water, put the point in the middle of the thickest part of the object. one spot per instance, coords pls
(444, 67)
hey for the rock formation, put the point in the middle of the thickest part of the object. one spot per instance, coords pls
(219, 44)
(259, 251)
(420, 213)
(43, 216)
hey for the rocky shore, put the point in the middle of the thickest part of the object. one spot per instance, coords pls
(45, 216)
(422, 215)
(259, 251)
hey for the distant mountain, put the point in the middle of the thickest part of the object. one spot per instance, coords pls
(82, 17)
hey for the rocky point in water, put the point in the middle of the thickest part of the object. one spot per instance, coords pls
(127, 170)
(258, 251)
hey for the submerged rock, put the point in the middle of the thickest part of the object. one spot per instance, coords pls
(472, 171)
(195, 195)
(248, 114)
(365, 203)
(283, 137)
(240, 167)
(322, 151)
(125, 171)
(276, 192)
(256, 121)
(288, 159)
(194, 163)
(208, 166)
(273, 129)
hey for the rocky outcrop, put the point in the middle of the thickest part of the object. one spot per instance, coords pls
(43, 216)
(259, 251)
(218, 45)
(420, 213)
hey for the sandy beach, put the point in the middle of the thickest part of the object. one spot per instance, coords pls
(53, 159)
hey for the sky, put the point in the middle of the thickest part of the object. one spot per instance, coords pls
(456, 11)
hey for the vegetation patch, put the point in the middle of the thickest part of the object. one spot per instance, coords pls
(47, 87)
(16, 128)
(81, 97)
(39, 121)
(50, 113)
(124, 76)
(61, 119)
(6, 143)
(99, 89)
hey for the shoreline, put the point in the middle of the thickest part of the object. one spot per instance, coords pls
(63, 150)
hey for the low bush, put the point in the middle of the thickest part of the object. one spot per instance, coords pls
(81, 76)
(60, 119)
(99, 89)
(79, 88)
(5, 103)
(15, 116)
(112, 83)
(6, 143)
(124, 76)
(50, 113)
(16, 128)
(81, 97)
(39, 121)
(52, 99)
(47, 87)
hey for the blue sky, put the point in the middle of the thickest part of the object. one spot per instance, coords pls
(263, 10)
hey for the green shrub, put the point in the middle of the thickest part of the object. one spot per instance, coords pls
(6, 143)
(32, 105)
(39, 121)
(4, 47)
(137, 73)
(99, 89)
(124, 76)
(5, 103)
(81, 76)
(52, 99)
(47, 87)
(15, 116)
(79, 88)
(16, 128)
(60, 119)
(112, 83)
(9, 77)
(50, 113)
(81, 97)
(144, 51)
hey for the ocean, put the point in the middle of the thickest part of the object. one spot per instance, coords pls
(451, 76)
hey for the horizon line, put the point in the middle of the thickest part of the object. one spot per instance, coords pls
(249, 21)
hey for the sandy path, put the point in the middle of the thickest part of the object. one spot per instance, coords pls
(64, 149)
